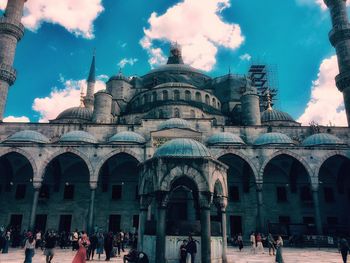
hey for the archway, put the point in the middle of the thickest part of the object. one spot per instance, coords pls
(287, 197)
(117, 194)
(242, 201)
(64, 195)
(334, 195)
(16, 192)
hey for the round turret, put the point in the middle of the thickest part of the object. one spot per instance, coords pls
(102, 107)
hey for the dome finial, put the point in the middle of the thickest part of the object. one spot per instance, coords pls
(175, 56)
(269, 101)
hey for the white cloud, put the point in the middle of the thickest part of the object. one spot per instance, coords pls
(60, 99)
(16, 119)
(245, 57)
(326, 103)
(77, 16)
(127, 61)
(320, 3)
(198, 27)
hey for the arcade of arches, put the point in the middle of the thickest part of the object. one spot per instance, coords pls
(284, 199)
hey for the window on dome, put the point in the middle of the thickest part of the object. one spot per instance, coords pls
(176, 95)
(165, 95)
(207, 99)
(214, 102)
(177, 113)
(154, 96)
(198, 97)
(187, 95)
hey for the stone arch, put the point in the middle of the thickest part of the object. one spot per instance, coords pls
(218, 177)
(111, 154)
(26, 155)
(187, 171)
(326, 157)
(63, 151)
(242, 156)
(291, 154)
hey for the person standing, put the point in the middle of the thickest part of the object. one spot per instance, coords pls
(240, 242)
(344, 249)
(6, 240)
(191, 248)
(92, 247)
(29, 248)
(279, 245)
(271, 243)
(100, 243)
(252, 243)
(83, 243)
(75, 239)
(50, 243)
(38, 239)
(259, 244)
(108, 245)
(183, 251)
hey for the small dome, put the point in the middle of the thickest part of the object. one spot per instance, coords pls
(225, 138)
(27, 136)
(80, 113)
(322, 139)
(182, 148)
(174, 123)
(127, 137)
(77, 136)
(273, 138)
(275, 115)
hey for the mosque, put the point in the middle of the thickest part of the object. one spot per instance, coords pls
(174, 152)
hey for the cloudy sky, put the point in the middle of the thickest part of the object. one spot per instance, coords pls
(292, 36)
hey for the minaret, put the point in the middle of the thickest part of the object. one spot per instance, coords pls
(11, 32)
(339, 37)
(89, 98)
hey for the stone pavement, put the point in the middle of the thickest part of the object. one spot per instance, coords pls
(291, 255)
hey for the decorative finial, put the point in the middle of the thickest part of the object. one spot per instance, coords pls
(82, 97)
(269, 101)
(120, 73)
(229, 70)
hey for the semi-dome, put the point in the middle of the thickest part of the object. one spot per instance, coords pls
(76, 113)
(174, 123)
(27, 136)
(275, 115)
(322, 139)
(127, 137)
(225, 138)
(273, 138)
(182, 148)
(77, 136)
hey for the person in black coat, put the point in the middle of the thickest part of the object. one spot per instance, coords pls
(191, 248)
(92, 247)
(108, 245)
(344, 249)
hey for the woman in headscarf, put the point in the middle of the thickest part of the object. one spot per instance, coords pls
(279, 245)
(83, 243)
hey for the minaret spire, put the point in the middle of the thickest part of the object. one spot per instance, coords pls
(340, 39)
(11, 32)
(91, 80)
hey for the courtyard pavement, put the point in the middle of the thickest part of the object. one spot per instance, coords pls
(291, 255)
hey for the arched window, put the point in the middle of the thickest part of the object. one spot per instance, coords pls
(213, 102)
(176, 95)
(198, 97)
(177, 113)
(165, 95)
(154, 96)
(187, 95)
(218, 105)
(207, 99)
(193, 114)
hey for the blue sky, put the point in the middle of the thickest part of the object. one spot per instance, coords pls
(291, 35)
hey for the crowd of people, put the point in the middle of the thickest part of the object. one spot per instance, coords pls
(86, 247)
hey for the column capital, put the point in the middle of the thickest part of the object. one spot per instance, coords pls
(221, 203)
(93, 185)
(37, 185)
(205, 199)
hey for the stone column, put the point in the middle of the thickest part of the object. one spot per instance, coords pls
(318, 219)
(260, 218)
(93, 186)
(162, 201)
(36, 186)
(145, 202)
(222, 204)
(205, 200)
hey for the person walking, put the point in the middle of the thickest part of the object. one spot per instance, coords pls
(92, 247)
(29, 248)
(83, 243)
(240, 242)
(271, 242)
(50, 243)
(191, 248)
(108, 245)
(279, 245)
(259, 244)
(252, 243)
(183, 251)
(100, 243)
(38, 239)
(344, 249)
(75, 239)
